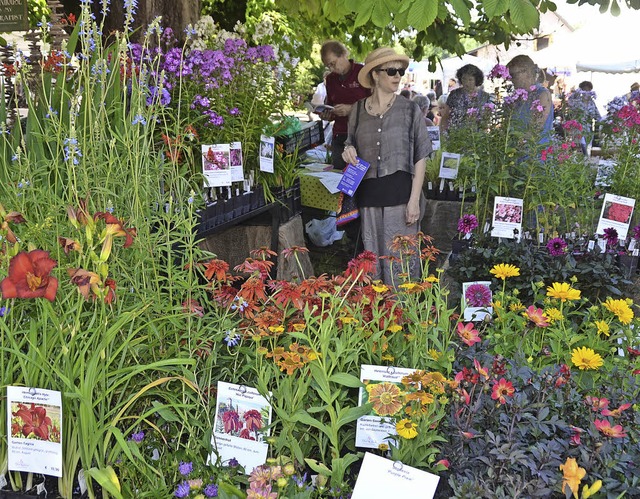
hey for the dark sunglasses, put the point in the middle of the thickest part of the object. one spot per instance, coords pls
(392, 71)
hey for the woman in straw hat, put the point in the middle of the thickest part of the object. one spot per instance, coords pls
(388, 132)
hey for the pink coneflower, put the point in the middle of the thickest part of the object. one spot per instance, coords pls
(557, 246)
(478, 295)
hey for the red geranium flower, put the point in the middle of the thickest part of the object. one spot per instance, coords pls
(29, 276)
(501, 390)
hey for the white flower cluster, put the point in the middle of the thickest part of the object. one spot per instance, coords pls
(206, 34)
(263, 29)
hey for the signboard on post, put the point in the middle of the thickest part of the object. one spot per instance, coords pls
(13, 15)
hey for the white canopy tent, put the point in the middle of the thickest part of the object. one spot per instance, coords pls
(610, 67)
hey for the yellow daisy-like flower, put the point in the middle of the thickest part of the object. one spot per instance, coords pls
(348, 320)
(563, 291)
(380, 288)
(504, 270)
(516, 307)
(603, 328)
(299, 326)
(586, 359)
(406, 429)
(409, 286)
(276, 329)
(553, 314)
(432, 279)
(394, 328)
(387, 357)
(434, 354)
(383, 447)
(620, 308)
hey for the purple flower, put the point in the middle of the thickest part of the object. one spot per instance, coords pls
(557, 246)
(214, 118)
(233, 463)
(300, 480)
(478, 295)
(234, 111)
(467, 224)
(231, 339)
(138, 436)
(211, 490)
(164, 97)
(182, 490)
(185, 468)
(636, 232)
(500, 71)
(4, 311)
(611, 236)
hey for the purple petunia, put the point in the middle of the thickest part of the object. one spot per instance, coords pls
(611, 236)
(185, 468)
(478, 295)
(557, 246)
(467, 224)
(636, 232)
(182, 490)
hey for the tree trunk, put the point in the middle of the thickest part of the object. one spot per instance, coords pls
(176, 14)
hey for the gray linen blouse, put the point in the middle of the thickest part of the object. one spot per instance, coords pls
(394, 141)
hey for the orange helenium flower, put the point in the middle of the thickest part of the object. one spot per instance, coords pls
(29, 276)
(386, 398)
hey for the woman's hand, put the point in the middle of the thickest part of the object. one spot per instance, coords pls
(412, 211)
(349, 155)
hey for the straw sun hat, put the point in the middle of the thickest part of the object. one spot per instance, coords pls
(377, 58)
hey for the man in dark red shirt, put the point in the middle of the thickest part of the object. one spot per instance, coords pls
(343, 90)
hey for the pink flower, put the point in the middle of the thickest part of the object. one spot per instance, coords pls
(468, 334)
(501, 390)
(604, 427)
(536, 315)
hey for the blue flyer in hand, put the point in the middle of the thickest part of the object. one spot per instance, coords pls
(352, 176)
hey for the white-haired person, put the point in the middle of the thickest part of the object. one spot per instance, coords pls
(389, 133)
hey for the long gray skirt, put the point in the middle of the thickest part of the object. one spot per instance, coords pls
(379, 227)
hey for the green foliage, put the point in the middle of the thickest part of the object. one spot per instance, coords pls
(38, 10)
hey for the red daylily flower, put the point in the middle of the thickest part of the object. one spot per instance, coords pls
(29, 276)
(501, 390)
(34, 420)
(116, 227)
(604, 427)
(110, 288)
(468, 334)
(87, 282)
(69, 244)
(80, 215)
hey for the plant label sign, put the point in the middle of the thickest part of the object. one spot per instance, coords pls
(267, 152)
(476, 300)
(434, 135)
(238, 429)
(235, 153)
(352, 176)
(449, 164)
(216, 165)
(616, 214)
(507, 218)
(34, 419)
(380, 477)
(383, 389)
(13, 16)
